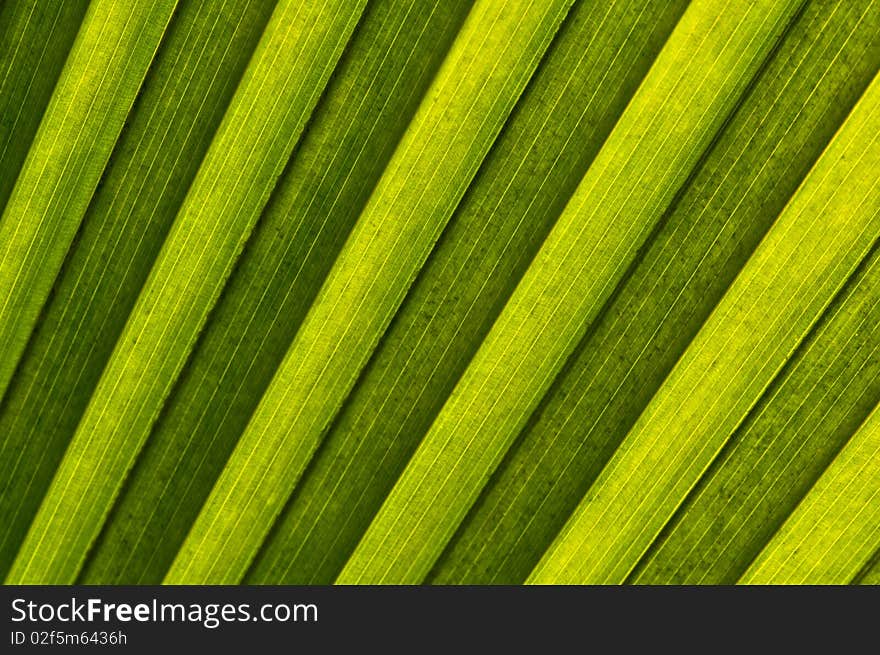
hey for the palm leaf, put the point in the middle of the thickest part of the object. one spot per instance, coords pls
(496, 230)
(423, 182)
(770, 308)
(171, 125)
(780, 128)
(37, 37)
(294, 58)
(830, 536)
(387, 67)
(99, 82)
(796, 430)
(450, 292)
(695, 80)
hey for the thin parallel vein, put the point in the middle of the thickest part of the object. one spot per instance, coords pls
(108, 397)
(430, 180)
(587, 295)
(803, 512)
(794, 438)
(857, 550)
(107, 16)
(190, 564)
(854, 550)
(346, 178)
(699, 348)
(674, 461)
(76, 287)
(563, 10)
(754, 506)
(12, 60)
(27, 205)
(36, 68)
(597, 492)
(751, 510)
(305, 41)
(812, 92)
(842, 494)
(814, 191)
(476, 559)
(722, 393)
(497, 525)
(791, 122)
(74, 295)
(60, 184)
(88, 155)
(6, 437)
(422, 479)
(81, 497)
(833, 470)
(657, 277)
(465, 451)
(650, 409)
(381, 189)
(184, 248)
(357, 160)
(402, 370)
(528, 281)
(187, 136)
(288, 244)
(337, 13)
(818, 523)
(150, 391)
(779, 477)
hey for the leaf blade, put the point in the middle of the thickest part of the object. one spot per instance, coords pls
(60, 184)
(27, 28)
(817, 256)
(531, 339)
(563, 118)
(387, 65)
(437, 157)
(216, 217)
(792, 110)
(833, 532)
(155, 159)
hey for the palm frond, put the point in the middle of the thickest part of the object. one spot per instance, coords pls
(478, 291)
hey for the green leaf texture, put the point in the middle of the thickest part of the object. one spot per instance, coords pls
(440, 292)
(179, 108)
(832, 533)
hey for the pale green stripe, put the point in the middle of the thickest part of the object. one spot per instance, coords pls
(290, 67)
(98, 84)
(819, 239)
(488, 65)
(836, 528)
(785, 444)
(777, 133)
(182, 101)
(696, 80)
(35, 38)
(588, 75)
(394, 54)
